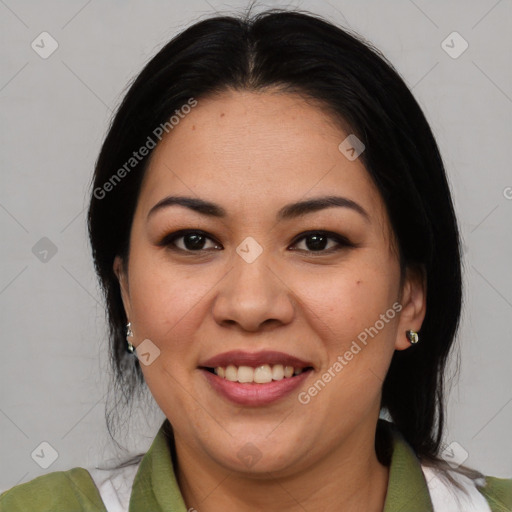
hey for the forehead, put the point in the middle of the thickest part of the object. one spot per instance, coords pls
(240, 148)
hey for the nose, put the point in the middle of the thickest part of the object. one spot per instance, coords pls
(253, 296)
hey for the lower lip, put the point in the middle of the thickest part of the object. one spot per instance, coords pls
(255, 394)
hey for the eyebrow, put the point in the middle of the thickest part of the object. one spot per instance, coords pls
(287, 212)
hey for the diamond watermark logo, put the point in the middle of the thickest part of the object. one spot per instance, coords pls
(249, 454)
(454, 45)
(44, 45)
(147, 352)
(44, 250)
(44, 455)
(351, 147)
(249, 249)
(454, 454)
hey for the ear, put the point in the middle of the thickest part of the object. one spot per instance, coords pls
(121, 274)
(414, 305)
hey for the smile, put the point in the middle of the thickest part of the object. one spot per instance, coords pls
(255, 379)
(260, 375)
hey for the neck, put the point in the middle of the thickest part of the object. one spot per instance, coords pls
(349, 478)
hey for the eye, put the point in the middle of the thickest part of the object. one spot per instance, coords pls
(318, 241)
(321, 242)
(189, 241)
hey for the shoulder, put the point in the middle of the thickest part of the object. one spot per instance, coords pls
(486, 494)
(72, 490)
(498, 492)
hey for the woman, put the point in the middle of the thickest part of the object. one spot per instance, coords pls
(273, 230)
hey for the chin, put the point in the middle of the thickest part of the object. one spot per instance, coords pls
(257, 455)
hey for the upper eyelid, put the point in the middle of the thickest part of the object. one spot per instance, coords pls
(171, 237)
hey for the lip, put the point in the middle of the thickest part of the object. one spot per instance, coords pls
(253, 359)
(251, 394)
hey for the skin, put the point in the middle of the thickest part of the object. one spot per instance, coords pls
(252, 153)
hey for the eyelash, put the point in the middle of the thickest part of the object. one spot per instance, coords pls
(169, 240)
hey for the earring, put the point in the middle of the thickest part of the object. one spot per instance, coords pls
(412, 336)
(129, 334)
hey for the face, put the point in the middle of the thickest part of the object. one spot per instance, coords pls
(268, 328)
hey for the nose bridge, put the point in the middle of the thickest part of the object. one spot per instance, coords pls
(252, 293)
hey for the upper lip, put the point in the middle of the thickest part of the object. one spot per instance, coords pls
(242, 358)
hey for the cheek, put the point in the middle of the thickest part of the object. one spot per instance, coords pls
(361, 312)
(169, 303)
(343, 303)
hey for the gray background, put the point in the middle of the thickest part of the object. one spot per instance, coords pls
(54, 115)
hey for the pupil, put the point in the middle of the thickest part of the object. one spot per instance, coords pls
(194, 241)
(319, 242)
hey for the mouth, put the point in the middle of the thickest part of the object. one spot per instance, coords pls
(255, 378)
(262, 374)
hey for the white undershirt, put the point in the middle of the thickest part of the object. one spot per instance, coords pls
(447, 498)
(115, 486)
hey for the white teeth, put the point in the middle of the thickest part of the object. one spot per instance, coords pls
(288, 371)
(259, 375)
(277, 372)
(245, 374)
(231, 373)
(262, 374)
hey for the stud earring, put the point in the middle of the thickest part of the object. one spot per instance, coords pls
(412, 336)
(129, 334)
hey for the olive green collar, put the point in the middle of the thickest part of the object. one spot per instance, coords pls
(407, 487)
(155, 486)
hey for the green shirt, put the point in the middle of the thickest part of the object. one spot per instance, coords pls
(155, 488)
